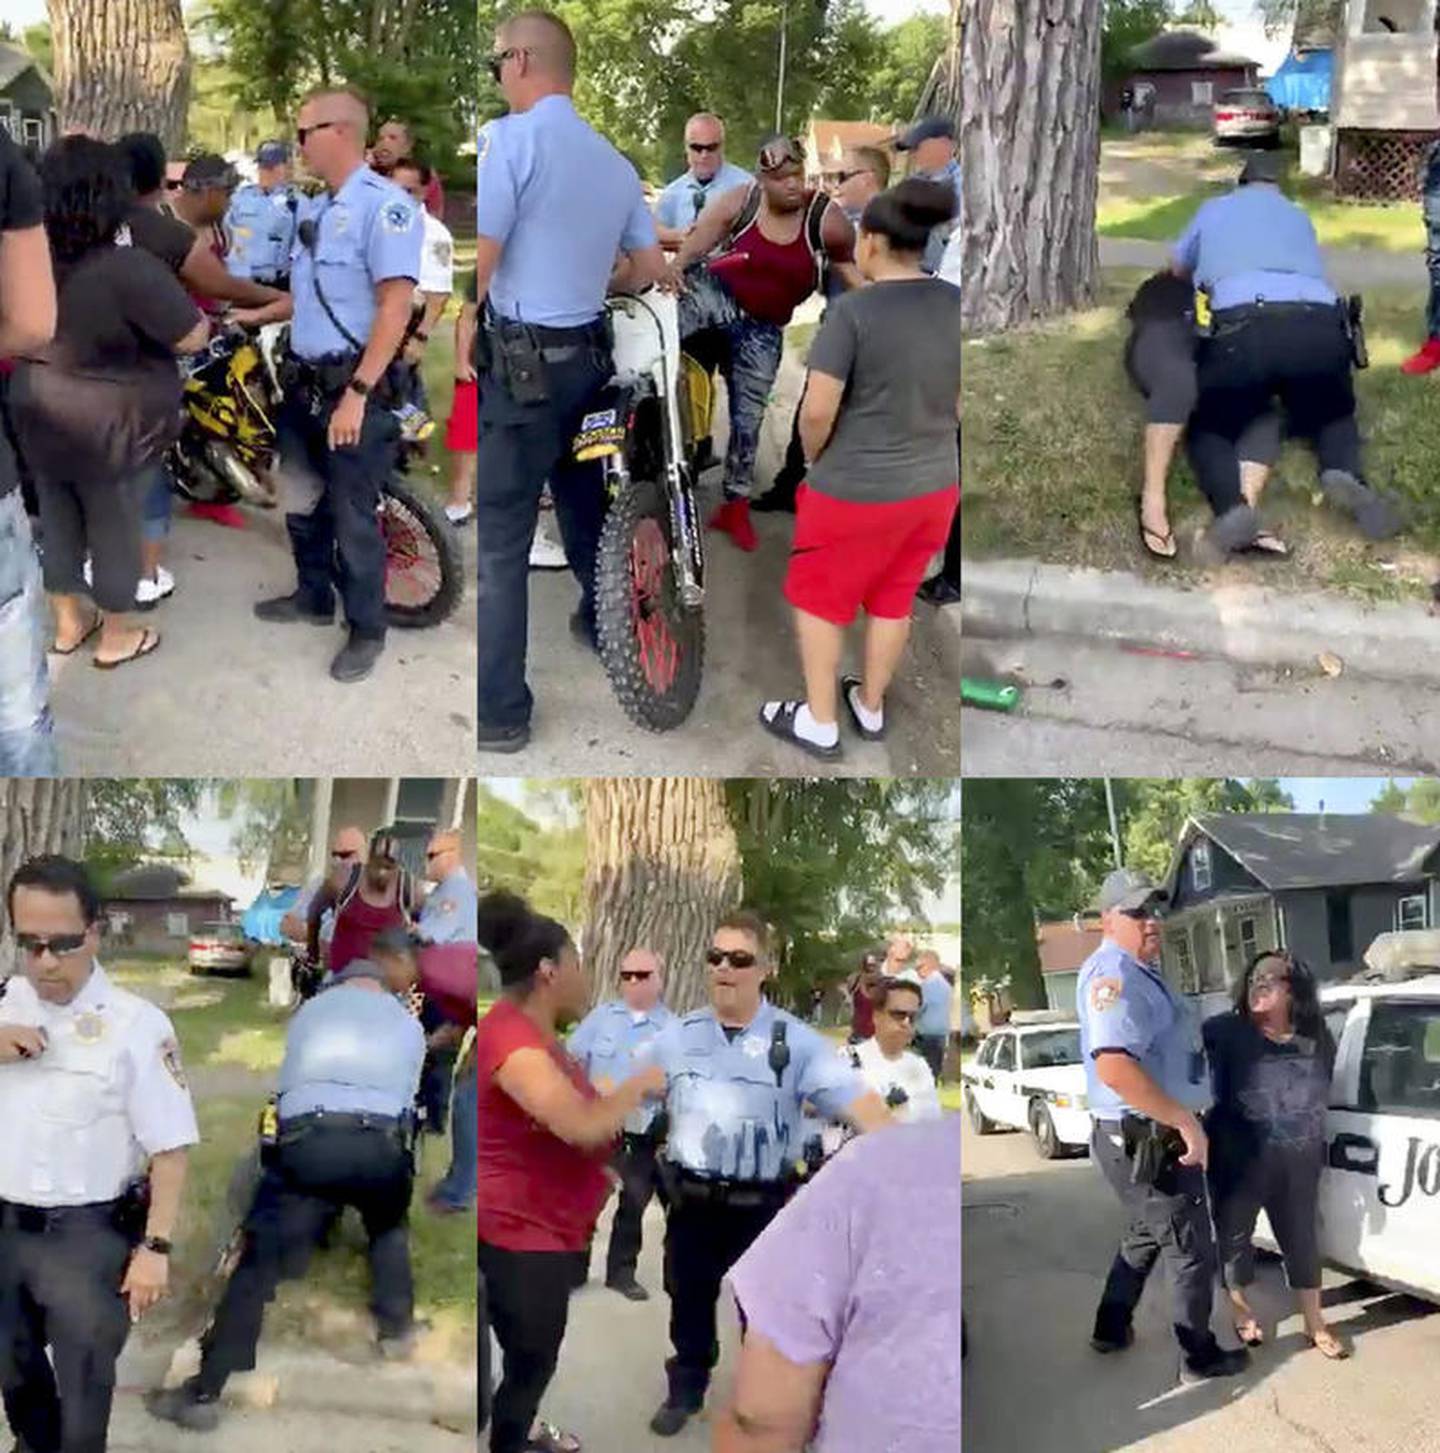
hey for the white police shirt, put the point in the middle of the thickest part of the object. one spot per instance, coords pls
(107, 1093)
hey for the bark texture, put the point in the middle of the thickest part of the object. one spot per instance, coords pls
(121, 65)
(1029, 130)
(44, 815)
(661, 864)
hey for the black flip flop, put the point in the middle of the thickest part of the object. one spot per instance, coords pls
(782, 725)
(149, 641)
(847, 685)
(90, 631)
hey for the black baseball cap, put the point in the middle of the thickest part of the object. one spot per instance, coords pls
(926, 129)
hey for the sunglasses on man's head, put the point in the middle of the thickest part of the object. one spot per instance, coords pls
(782, 154)
(635, 976)
(58, 944)
(738, 958)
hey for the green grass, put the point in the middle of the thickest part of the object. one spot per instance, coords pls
(1053, 465)
(951, 1097)
(229, 1036)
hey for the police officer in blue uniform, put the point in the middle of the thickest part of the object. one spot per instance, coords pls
(1145, 1082)
(264, 218)
(737, 1074)
(448, 914)
(557, 205)
(931, 143)
(354, 267)
(344, 1138)
(609, 1042)
(1277, 329)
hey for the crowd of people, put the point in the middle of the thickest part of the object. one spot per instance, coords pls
(117, 263)
(710, 1111)
(1240, 343)
(90, 1201)
(1194, 1156)
(875, 436)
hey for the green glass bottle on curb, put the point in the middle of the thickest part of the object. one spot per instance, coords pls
(992, 695)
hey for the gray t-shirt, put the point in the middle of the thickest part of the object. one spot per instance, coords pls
(896, 346)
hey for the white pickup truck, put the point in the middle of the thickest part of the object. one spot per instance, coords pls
(1378, 1192)
(1029, 1076)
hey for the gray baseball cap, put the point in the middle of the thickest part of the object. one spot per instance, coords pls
(1129, 888)
(1262, 166)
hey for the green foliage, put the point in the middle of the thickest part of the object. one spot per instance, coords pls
(544, 864)
(1420, 802)
(37, 40)
(130, 820)
(270, 820)
(835, 865)
(1128, 23)
(1154, 811)
(1201, 14)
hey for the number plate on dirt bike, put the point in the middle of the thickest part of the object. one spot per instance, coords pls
(601, 433)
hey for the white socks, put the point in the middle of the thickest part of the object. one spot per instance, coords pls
(872, 721)
(810, 730)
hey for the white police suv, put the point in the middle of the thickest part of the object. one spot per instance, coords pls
(1028, 1075)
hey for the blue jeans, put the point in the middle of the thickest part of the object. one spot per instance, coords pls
(750, 361)
(27, 742)
(458, 1188)
(330, 500)
(1432, 259)
(520, 447)
(156, 511)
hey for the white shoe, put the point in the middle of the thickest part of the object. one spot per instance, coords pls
(148, 592)
(458, 514)
(546, 552)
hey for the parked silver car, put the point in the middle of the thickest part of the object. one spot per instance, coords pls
(1247, 116)
(221, 948)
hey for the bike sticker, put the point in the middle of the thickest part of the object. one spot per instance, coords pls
(597, 421)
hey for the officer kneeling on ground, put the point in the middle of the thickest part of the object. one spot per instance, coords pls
(353, 275)
(1276, 328)
(737, 1073)
(1145, 1080)
(90, 1087)
(345, 1137)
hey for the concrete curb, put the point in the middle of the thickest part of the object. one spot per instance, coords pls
(1251, 624)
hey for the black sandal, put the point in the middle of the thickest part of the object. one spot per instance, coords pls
(149, 641)
(782, 725)
(847, 685)
(89, 631)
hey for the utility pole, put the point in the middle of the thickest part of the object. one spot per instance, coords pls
(1114, 827)
(780, 82)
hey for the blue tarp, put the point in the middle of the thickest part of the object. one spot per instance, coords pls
(261, 920)
(1303, 82)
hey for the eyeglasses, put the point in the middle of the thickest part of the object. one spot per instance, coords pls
(497, 61)
(737, 958)
(843, 177)
(904, 1016)
(343, 856)
(635, 976)
(1140, 915)
(785, 152)
(434, 853)
(703, 147)
(302, 132)
(58, 944)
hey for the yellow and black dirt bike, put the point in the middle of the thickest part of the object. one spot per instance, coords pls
(650, 429)
(226, 453)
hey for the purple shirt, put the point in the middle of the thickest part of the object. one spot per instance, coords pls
(862, 1270)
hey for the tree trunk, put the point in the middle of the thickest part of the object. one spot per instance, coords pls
(37, 815)
(661, 865)
(1029, 128)
(121, 65)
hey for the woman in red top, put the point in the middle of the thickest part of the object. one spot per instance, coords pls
(545, 1136)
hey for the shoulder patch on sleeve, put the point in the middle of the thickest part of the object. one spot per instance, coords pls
(1105, 993)
(170, 1058)
(397, 217)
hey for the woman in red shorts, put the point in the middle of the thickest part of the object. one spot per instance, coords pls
(462, 429)
(545, 1136)
(878, 425)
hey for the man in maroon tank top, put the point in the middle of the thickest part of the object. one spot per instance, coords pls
(376, 897)
(767, 259)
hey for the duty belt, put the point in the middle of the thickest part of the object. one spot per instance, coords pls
(343, 1120)
(556, 345)
(17, 1217)
(743, 1195)
(1260, 308)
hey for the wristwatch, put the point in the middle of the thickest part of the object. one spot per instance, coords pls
(158, 1244)
(359, 386)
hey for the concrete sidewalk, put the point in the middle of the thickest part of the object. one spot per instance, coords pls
(226, 695)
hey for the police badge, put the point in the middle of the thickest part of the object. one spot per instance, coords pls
(89, 1028)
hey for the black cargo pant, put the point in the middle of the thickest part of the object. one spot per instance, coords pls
(1168, 1222)
(706, 1233)
(322, 1164)
(634, 1162)
(60, 1275)
(1295, 352)
(1284, 1182)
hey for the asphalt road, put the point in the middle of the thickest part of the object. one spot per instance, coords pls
(1091, 708)
(1038, 1238)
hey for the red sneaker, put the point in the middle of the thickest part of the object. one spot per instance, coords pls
(733, 517)
(1426, 359)
(226, 515)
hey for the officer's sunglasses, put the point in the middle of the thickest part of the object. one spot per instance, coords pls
(58, 944)
(635, 976)
(497, 61)
(844, 177)
(737, 958)
(1141, 915)
(344, 857)
(302, 132)
(703, 147)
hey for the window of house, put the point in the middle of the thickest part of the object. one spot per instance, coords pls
(1412, 911)
(7, 119)
(1184, 963)
(34, 131)
(1340, 930)
(419, 799)
(1247, 938)
(1200, 866)
(1202, 93)
(177, 925)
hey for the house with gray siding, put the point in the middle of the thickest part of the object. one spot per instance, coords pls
(1321, 885)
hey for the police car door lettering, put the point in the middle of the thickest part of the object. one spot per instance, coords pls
(1422, 1169)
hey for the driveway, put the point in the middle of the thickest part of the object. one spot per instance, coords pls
(1038, 1239)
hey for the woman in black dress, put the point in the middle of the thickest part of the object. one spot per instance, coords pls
(1271, 1058)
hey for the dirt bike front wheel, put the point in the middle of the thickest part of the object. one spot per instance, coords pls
(423, 564)
(652, 646)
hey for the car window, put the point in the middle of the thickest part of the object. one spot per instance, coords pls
(1400, 1064)
(986, 1054)
(1246, 98)
(1053, 1047)
(1005, 1053)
